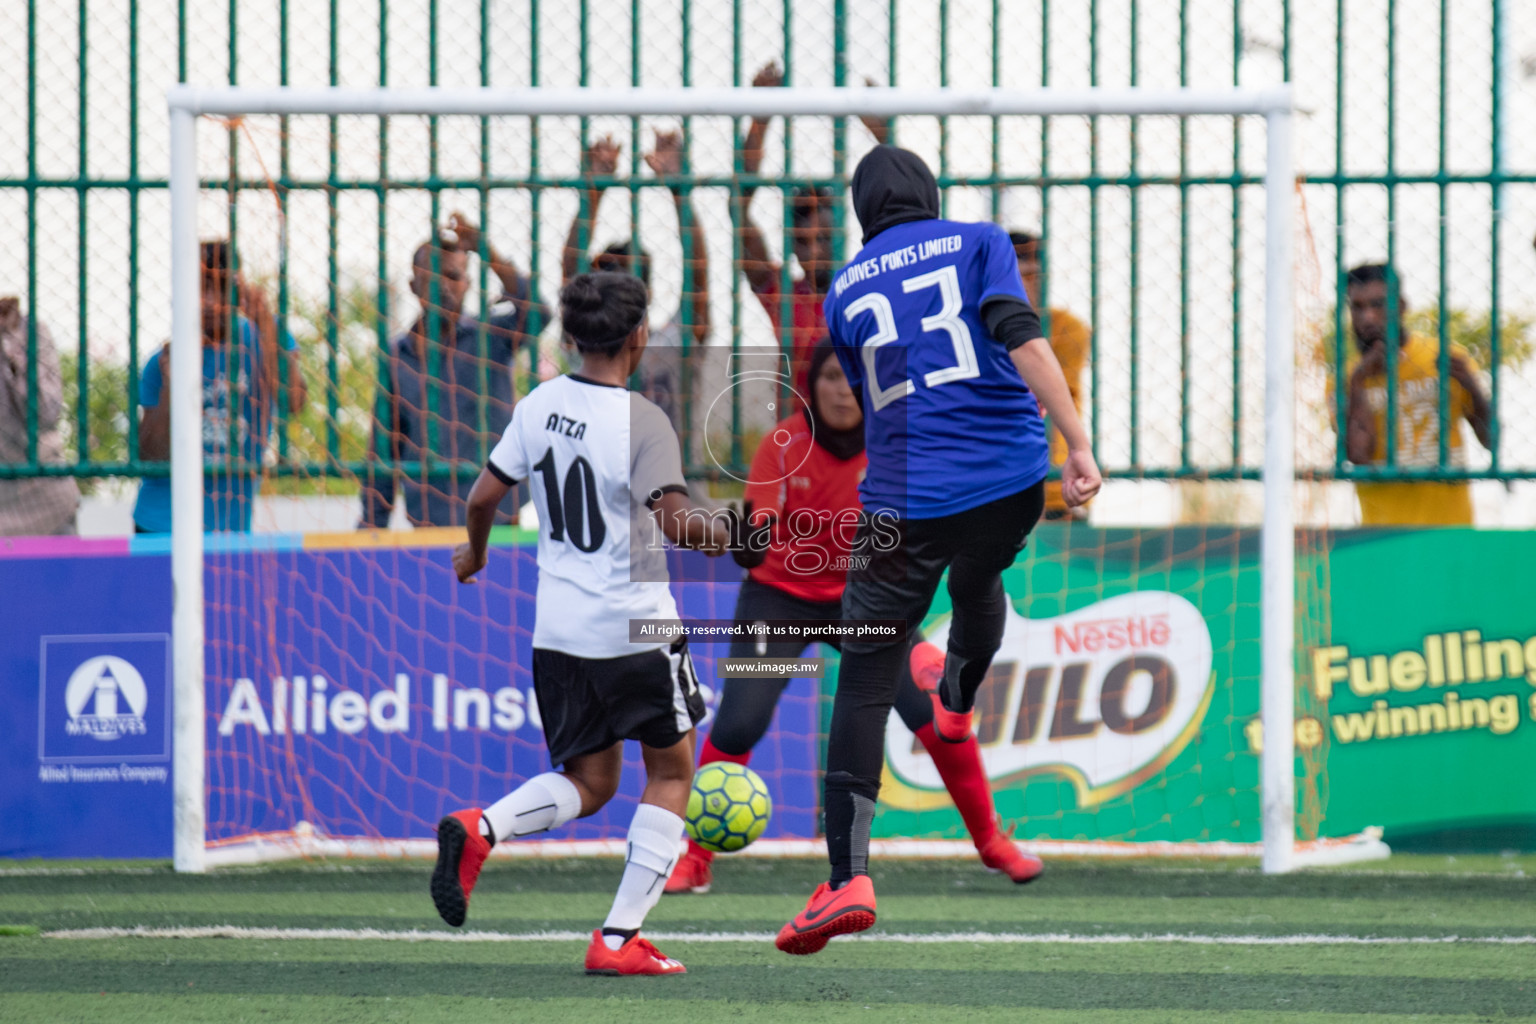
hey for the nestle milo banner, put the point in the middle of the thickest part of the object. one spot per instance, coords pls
(1124, 702)
(1421, 704)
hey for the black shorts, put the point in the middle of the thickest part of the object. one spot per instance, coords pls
(589, 704)
(758, 602)
(899, 581)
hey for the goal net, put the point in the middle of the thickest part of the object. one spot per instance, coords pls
(373, 277)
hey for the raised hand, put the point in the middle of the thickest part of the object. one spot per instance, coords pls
(10, 313)
(1373, 362)
(466, 233)
(879, 127)
(256, 308)
(768, 76)
(602, 157)
(1461, 370)
(666, 158)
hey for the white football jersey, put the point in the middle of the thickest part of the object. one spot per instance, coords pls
(595, 456)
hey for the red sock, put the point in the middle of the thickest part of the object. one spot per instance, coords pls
(709, 752)
(959, 765)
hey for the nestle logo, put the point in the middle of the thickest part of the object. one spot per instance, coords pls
(1113, 634)
(1111, 706)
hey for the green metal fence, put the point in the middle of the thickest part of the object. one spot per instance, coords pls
(1152, 224)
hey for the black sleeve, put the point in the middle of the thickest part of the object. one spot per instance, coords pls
(1011, 321)
(496, 472)
(656, 493)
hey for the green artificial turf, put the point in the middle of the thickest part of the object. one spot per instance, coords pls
(1135, 976)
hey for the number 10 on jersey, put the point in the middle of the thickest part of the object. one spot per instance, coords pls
(574, 512)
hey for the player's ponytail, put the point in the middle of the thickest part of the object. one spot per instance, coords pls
(600, 310)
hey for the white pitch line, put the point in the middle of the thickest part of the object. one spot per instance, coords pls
(45, 872)
(927, 938)
(1513, 875)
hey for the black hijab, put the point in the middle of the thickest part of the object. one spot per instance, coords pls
(842, 444)
(892, 186)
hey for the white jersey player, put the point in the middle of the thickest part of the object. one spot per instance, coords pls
(606, 474)
(599, 457)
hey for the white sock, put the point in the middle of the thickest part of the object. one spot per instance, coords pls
(542, 803)
(655, 834)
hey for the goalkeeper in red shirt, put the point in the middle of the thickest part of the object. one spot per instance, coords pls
(802, 509)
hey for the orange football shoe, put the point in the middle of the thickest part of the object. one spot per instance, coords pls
(1000, 853)
(636, 956)
(827, 913)
(692, 873)
(927, 663)
(461, 851)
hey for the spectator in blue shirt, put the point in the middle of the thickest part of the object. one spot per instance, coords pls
(244, 355)
(447, 400)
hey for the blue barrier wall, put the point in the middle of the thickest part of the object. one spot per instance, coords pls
(415, 692)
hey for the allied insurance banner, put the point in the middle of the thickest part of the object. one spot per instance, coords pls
(352, 692)
(1124, 703)
(360, 691)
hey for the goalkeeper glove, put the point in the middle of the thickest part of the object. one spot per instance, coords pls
(750, 541)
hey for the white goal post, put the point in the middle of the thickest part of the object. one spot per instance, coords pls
(1275, 104)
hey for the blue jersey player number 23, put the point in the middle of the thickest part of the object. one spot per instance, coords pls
(950, 424)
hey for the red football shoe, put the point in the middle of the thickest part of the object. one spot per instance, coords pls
(461, 850)
(927, 663)
(827, 913)
(1001, 854)
(692, 873)
(636, 956)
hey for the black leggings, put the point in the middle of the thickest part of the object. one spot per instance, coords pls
(747, 705)
(899, 583)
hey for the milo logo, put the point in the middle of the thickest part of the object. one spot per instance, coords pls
(1106, 695)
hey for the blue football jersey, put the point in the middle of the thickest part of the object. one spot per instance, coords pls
(948, 422)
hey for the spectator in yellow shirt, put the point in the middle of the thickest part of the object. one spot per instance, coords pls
(1069, 339)
(1411, 503)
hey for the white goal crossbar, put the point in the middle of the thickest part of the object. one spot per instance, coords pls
(1275, 104)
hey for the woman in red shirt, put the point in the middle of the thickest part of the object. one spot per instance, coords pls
(803, 493)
